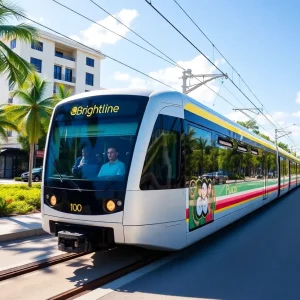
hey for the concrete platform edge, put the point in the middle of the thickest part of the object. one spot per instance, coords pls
(21, 234)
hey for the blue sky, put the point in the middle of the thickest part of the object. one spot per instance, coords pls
(259, 38)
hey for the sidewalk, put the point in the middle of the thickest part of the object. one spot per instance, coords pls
(12, 228)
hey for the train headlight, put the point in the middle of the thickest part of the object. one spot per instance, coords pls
(110, 205)
(53, 200)
(119, 203)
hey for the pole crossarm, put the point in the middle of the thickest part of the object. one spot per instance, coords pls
(188, 74)
(260, 110)
(278, 137)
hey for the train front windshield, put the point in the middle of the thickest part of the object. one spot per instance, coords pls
(92, 141)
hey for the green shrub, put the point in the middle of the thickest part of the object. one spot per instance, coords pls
(18, 178)
(19, 198)
(21, 207)
(6, 207)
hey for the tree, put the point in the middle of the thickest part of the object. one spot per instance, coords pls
(250, 124)
(32, 117)
(23, 140)
(5, 125)
(16, 68)
(62, 92)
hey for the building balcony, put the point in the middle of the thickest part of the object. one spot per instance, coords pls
(65, 56)
(64, 77)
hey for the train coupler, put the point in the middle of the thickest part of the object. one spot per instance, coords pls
(73, 242)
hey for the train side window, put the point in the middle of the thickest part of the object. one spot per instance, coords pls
(271, 166)
(225, 143)
(228, 159)
(162, 167)
(199, 158)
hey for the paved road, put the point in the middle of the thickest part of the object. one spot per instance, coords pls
(257, 258)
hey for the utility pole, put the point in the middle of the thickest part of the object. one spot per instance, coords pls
(188, 74)
(276, 143)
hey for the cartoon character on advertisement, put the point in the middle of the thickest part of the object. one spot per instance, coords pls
(202, 202)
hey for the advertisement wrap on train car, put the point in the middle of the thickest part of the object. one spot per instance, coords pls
(208, 202)
(202, 202)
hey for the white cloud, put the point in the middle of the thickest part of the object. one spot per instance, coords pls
(170, 76)
(237, 116)
(296, 114)
(121, 76)
(95, 35)
(298, 98)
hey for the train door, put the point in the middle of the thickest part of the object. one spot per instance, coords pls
(283, 175)
(265, 174)
(202, 175)
(289, 173)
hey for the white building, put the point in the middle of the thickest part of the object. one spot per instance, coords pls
(58, 60)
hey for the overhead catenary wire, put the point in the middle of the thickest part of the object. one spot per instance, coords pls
(134, 32)
(242, 92)
(214, 47)
(106, 28)
(97, 51)
(174, 63)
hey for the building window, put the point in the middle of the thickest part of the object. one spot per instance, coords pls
(10, 100)
(90, 62)
(9, 133)
(57, 72)
(37, 63)
(13, 44)
(38, 46)
(89, 79)
(68, 75)
(163, 164)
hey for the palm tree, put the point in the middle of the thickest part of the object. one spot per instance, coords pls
(62, 92)
(250, 124)
(33, 116)
(5, 125)
(16, 68)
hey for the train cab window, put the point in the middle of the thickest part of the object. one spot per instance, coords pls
(162, 167)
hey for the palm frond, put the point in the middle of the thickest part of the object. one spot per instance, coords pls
(49, 102)
(10, 10)
(3, 133)
(62, 92)
(17, 68)
(23, 95)
(22, 32)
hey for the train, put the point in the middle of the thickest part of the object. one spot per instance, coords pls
(152, 169)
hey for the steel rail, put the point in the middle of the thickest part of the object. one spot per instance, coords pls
(96, 283)
(34, 266)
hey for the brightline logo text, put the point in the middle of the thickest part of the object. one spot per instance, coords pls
(89, 111)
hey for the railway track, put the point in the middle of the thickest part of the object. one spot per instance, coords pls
(101, 281)
(17, 271)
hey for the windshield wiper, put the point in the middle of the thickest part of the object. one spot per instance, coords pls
(54, 164)
(61, 178)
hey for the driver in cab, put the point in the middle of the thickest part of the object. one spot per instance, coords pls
(113, 167)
